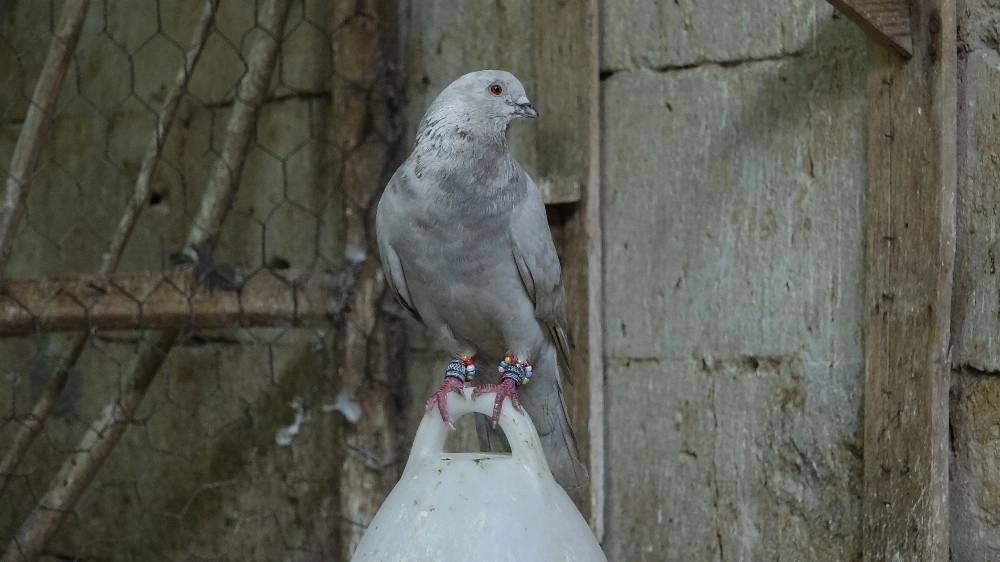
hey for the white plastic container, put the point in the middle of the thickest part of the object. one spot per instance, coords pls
(451, 507)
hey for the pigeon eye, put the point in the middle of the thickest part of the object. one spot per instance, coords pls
(496, 89)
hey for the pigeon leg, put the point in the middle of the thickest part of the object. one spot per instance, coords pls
(455, 376)
(514, 372)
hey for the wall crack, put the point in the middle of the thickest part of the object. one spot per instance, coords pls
(724, 63)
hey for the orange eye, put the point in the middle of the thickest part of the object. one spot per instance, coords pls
(496, 89)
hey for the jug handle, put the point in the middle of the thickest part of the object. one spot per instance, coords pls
(521, 434)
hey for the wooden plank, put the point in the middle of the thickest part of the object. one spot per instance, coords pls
(910, 256)
(555, 192)
(157, 302)
(367, 90)
(567, 145)
(885, 21)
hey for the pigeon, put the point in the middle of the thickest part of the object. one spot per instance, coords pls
(465, 245)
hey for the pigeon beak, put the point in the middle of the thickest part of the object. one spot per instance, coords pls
(523, 108)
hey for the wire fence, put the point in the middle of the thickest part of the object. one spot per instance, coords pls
(177, 167)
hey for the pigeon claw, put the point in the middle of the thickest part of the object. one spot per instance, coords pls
(440, 397)
(506, 389)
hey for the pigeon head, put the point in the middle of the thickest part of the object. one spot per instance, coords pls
(480, 102)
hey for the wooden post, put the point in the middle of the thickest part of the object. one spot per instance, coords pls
(367, 89)
(568, 143)
(170, 302)
(910, 255)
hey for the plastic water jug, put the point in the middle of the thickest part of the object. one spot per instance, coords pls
(451, 507)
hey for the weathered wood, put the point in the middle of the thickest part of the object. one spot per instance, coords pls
(567, 145)
(366, 94)
(560, 191)
(910, 255)
(885, 21)
(155, 302)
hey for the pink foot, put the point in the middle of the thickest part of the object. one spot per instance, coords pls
(506, 389)
(440, 397)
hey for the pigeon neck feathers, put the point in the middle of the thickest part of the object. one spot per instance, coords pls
(448, 129)
(450, 144)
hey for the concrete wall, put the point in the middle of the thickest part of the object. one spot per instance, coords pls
(734, 177)
(975, 397)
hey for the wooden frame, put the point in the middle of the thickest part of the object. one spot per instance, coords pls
(171, 302)
(568, 146)
(910, 253)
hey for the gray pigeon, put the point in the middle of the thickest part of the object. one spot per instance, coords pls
(466, 246)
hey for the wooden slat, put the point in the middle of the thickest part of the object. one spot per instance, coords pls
(568, 141)
(156, 302)
(910, 255)
(367, 88)
(555, 192)
(885, 21)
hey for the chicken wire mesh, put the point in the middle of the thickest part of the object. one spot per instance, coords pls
(237, 242)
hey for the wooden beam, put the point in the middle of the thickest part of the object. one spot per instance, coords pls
(568, 149)
(367, 89)
(556, 192)
(910, 244)
(157, 302)
(885, 21)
